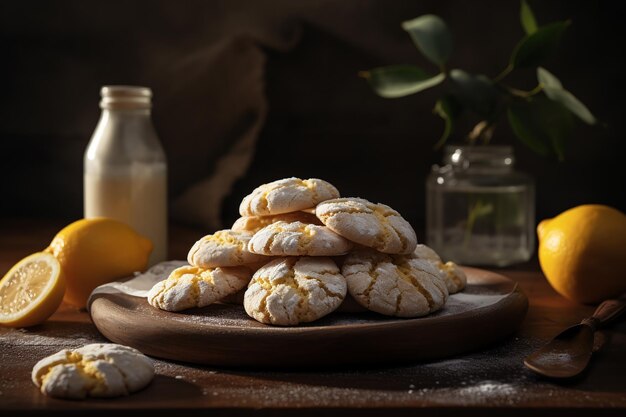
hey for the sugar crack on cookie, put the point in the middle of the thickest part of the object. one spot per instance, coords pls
(252, 224)
(223, 248)
(96, 370)
(191, 286)
(298, 239)
(288, 291)
(451, 273)
(394, 285)
(370, 224)
(286, 195)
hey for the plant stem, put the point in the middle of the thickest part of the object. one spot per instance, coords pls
(522, 93)
(503, 74)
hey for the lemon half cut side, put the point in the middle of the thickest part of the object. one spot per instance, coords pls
(31, 291)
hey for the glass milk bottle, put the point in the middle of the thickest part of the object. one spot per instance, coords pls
(125, 170)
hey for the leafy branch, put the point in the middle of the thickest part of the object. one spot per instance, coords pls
(542, 118)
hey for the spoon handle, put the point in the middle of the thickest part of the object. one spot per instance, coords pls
(607, 311)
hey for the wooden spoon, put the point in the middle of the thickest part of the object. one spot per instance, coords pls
(568, 354)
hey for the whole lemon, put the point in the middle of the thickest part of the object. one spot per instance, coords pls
(95, 251)
(582, 252)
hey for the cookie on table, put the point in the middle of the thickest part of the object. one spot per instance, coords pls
(394, 285)
(223, 248)
(453, 275)
(95, 370)
(288, 291)
(298, 239)
(286, 195)
(190, 286)
(252, 224)
(370, 224)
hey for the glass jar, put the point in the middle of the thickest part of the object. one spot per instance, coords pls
(480, 211)
(125, 170)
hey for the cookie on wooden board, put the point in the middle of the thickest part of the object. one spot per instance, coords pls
(289, 291)
(286, 195)
(370, 224)
(298, 239)
(394, 285)
(252, 224)
(190, 286)
(452, 274)
(222, 248)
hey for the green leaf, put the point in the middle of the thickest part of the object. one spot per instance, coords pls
(527, 18)
(547, 79)
(400, 80)
(431, 36)
(554, 90)
(541, 124)
(475, 92)
(536, 47)
(448, 109)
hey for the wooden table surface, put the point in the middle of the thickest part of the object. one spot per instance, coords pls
(489, 382)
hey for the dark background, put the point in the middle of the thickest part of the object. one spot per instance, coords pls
(301, 60)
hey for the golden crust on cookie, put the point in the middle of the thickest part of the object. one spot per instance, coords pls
(451, 273)
(286, 195)
(223, 248)
(288, 291)
(370, 224)
(298, 239)
(394, 285)
(190, 286)
(252, 224)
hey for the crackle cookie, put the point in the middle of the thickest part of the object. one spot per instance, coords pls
(452, 274)
(96, 370)
(286, 195)
(298, 239)
(288, 291)
(223, 248)
(191, 286)
(394, 285)
(252, 224)
(370, 224)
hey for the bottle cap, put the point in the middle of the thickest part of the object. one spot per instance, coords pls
(125, 97)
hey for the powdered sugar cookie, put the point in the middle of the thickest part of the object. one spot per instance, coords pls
(190, 286)
(394, 285)
(223, 248)
(298, 239)
(252, 224)
(370, 224)
(452, 274)
(288, 291)
(286, 195)
(95, 370)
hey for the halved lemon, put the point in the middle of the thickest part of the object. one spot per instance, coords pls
(31, 291)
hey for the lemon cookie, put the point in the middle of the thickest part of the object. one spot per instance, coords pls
(96, 370)
(394, 285)
(370, 224)
(223, 248)
(286, 195)
(298, 239)
(191, 286)
(288, 291)
(452, 274)
(252, 224)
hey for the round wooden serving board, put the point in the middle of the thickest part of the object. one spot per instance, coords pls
(489, 309)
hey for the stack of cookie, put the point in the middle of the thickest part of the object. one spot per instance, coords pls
(300, 249)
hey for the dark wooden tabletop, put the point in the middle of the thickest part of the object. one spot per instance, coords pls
(488, 382)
